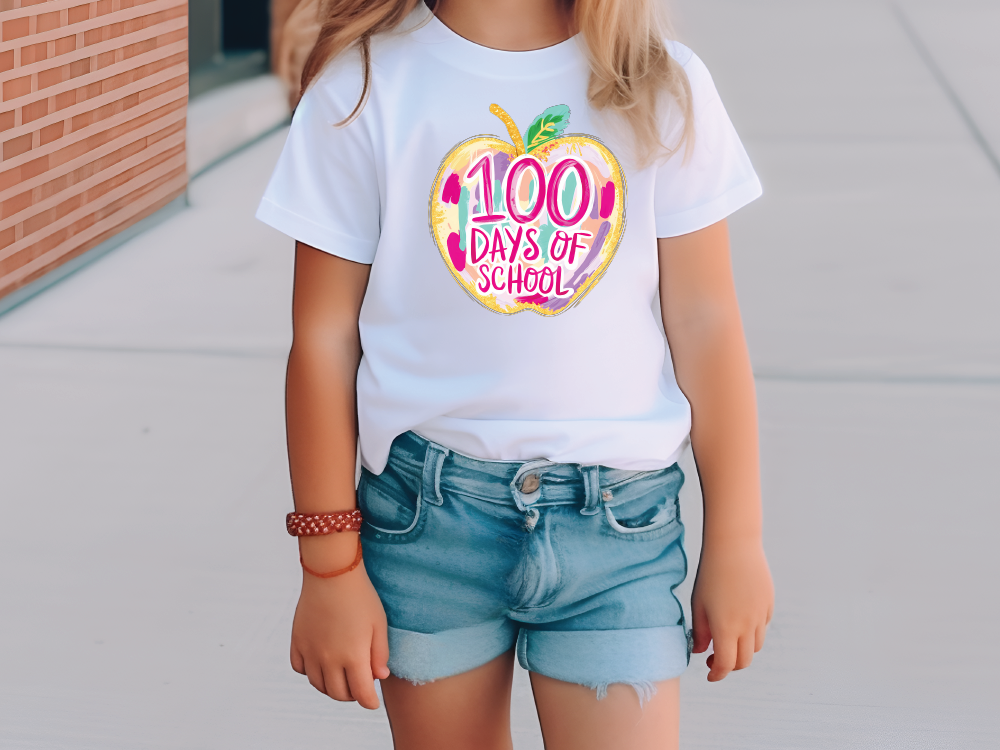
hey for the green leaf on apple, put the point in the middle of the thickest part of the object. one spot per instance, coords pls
(546, 126)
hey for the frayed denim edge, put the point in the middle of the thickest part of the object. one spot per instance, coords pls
(644, 689)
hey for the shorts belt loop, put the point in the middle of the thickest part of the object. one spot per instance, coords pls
(433, 461)
(592, 490)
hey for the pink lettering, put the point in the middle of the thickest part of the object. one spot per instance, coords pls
(577, 245)
(559, 238)
(513, 179)
(485, 271)
(543, 277)
(474, 244)
(485, 165)
(493, 278)
(529, 286)
(498, 246)
(560, 292)
(514, 241)
(552, 196)
(515, 281)
(533, 251)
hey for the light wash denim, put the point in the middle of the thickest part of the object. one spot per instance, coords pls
(577, 565)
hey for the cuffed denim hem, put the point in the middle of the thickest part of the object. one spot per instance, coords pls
(639, 657)
(424, 657)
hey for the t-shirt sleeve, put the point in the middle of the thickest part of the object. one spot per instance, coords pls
(325, 189)
(716, 178)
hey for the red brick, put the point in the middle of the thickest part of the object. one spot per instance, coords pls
(166, 132)
(130, 76)
(9, 4)
(7, 237)
(31, 112)
(66, 99)
(47, 22)
(35, 167)
(174, 36)
(16, 87)
(15, 29)
(79, 13)
(104, 7)
(51, 133)
(52, 76)
(65, 45)
(105, 59)
(17, 146)
(6, 120)
(34, 53)
(139, 48)
(7, 61)
(18, 203)
(93, 36)
(79, 68)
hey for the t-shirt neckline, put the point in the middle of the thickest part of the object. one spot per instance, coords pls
(454, 48)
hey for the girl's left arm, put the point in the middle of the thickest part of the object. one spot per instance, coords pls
(733, 593)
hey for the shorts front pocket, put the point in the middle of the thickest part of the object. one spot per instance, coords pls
(646, 508)
(391, 509)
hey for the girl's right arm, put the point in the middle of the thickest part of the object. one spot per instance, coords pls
(339, 633)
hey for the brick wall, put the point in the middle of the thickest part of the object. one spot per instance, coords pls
(92, 118)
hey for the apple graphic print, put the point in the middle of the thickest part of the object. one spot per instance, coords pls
(532, 224)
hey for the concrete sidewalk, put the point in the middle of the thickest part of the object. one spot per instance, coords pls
(141, 407)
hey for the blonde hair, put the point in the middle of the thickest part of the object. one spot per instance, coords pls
(630, 66)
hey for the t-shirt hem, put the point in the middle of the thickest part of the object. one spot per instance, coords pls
(322, 238)
(674, 225)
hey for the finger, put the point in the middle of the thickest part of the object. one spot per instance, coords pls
(701, 634)
(724, 657)
(298, 663)
(744, 651)
(759, 636)
(315, 675)
(380, 652)
(362, 685)
(336, 684)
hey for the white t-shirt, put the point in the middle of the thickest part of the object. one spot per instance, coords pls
(514, 322)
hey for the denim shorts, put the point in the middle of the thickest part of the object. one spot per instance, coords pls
(576, 565)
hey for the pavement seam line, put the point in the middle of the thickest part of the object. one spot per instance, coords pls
(928, 59)
(231, 353)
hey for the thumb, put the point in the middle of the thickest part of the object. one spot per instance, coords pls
(701, 633)
(380, 651)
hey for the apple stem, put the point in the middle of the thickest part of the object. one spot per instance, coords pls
(508, 121)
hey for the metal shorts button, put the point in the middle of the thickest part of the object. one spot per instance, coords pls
(529, 484)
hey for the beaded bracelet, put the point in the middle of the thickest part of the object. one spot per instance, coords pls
(316, 524)
(348, 569)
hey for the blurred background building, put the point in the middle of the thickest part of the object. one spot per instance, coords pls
(109, 107)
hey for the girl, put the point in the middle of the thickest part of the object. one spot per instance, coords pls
(487, 197)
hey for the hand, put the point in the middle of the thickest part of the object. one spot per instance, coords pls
(339, 638)
(732, 605)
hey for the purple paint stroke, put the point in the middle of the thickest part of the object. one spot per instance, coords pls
(558, 303)
(500, 163)
(455, 252)
(595, 207)
(595, 250)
